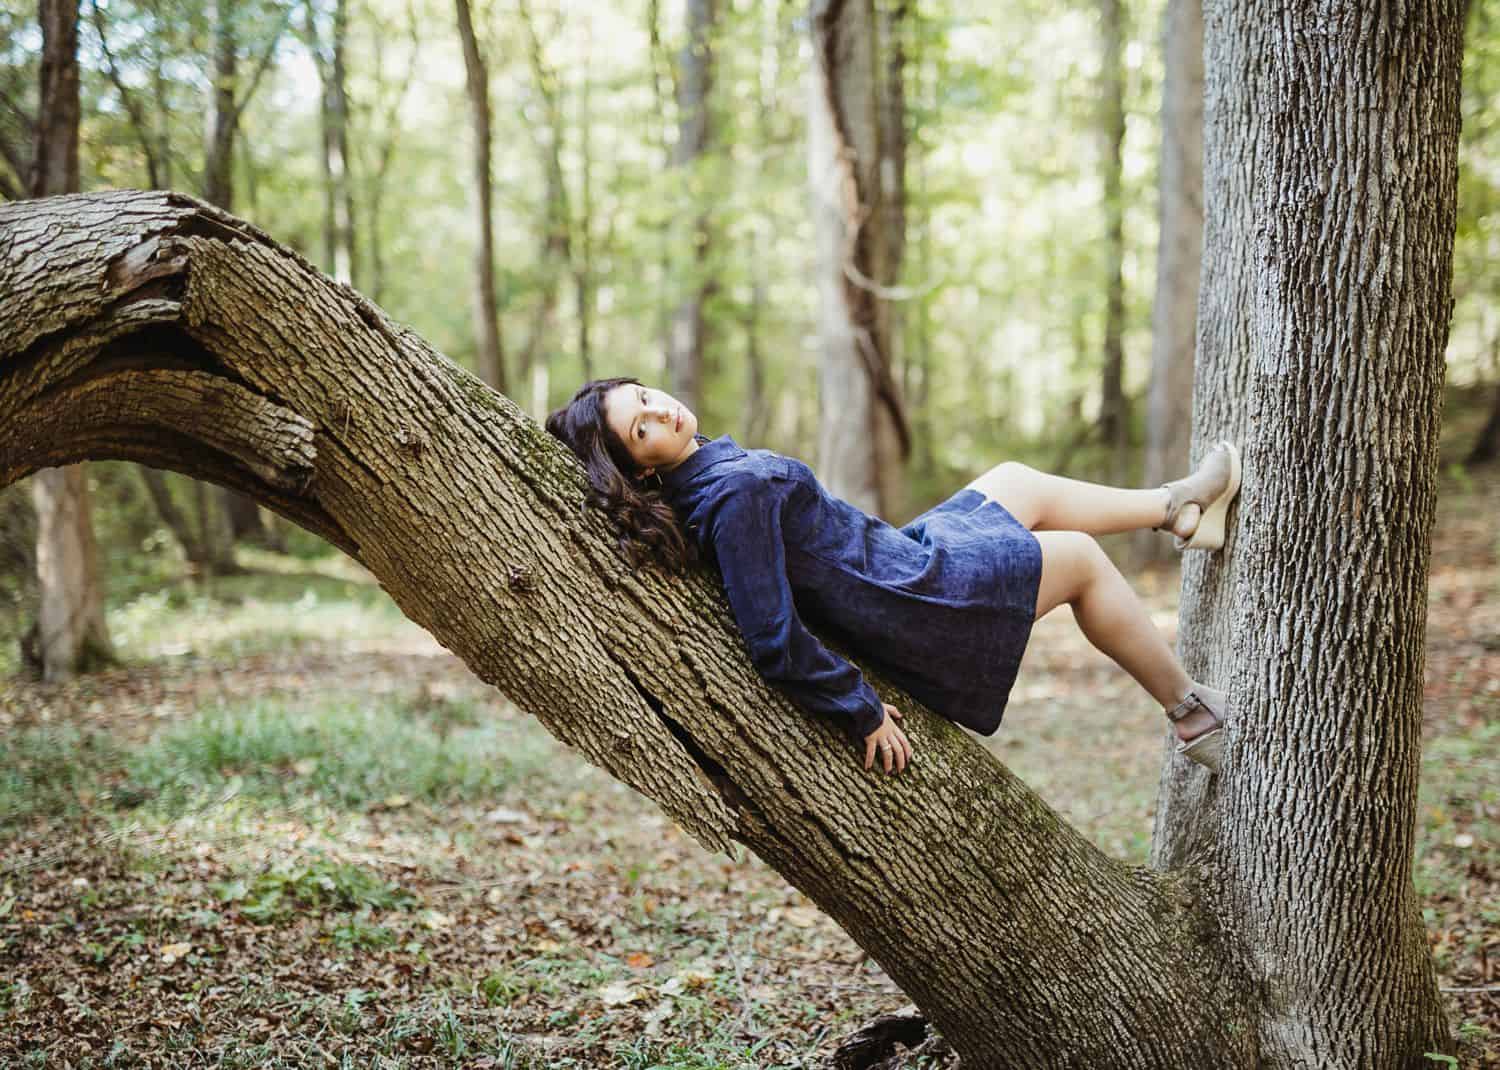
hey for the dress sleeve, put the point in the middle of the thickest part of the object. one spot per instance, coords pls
(745, 531)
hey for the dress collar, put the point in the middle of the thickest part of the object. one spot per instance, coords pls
(709, 452)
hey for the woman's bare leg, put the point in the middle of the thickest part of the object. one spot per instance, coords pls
(1044, 502)
(1076, 571)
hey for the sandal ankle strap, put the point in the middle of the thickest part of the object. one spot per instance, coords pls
(1190, 704)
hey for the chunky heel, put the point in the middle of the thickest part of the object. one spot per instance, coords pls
(1212, 488)
(1209, 534)
(1206, 748)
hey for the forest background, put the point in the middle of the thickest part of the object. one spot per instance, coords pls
(651, 158)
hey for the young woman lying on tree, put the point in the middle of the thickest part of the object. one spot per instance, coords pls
(943, 605)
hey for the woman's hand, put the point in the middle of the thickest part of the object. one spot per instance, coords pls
(890, 741)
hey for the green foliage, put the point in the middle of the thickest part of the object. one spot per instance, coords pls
(347, 754)
(319, 885)
(51, 770)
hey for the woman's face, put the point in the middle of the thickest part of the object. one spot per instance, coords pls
(656, 428)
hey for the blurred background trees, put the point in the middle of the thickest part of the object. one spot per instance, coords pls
(1003, 238)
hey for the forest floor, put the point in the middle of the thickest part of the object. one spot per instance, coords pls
(294, 831)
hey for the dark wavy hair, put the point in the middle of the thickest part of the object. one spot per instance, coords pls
(647, 524)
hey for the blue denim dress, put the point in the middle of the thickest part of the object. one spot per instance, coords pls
(942, 606)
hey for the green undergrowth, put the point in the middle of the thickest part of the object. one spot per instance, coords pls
(272, 754)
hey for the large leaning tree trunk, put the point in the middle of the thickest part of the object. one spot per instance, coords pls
(1330, 188)
(863, 435)
(177, 335)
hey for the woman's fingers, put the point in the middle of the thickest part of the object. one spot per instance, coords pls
(895, 749)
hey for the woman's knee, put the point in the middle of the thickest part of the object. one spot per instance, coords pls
(1071, 561)
(1014, 486)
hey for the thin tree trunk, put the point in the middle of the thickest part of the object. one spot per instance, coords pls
(1113, 419)
(312, 39)
(557, 247)
(139, 124)
(1323, 320)
(694, 138)
(70, 632)
(333, 122)
(161, 114)
(863, 436)
(757, 404)
(1179, 254)
(345, 256)
(663, 90)
(177, 523)
(218, 163)
(225, 105)
(489, 358)
(583, 261)
(390, 127)
(1487, 444)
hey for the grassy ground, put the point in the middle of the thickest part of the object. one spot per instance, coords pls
(293, 831)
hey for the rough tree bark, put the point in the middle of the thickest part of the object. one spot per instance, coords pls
(695, 79)
(70, 632)
(1179, 254)
(489, 357)
(863, 435)
(1330, 192)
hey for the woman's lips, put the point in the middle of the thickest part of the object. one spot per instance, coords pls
(678, 425)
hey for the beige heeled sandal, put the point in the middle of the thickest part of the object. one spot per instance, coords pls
(1212, 487)
(1207, 748)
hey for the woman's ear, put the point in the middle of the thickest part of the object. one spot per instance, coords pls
(647, 473)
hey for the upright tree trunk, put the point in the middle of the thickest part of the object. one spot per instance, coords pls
(386, 146)
(177, 523)
(583, 258)
(1179, 253)
(892, 20)
(162, 113)
(694, 137)
(863, 438)
(1330, 181)
(218, 163)
(556, 228)
(1487, 445)
(344, 259)
(1113, 421)
(244, 520)
(489, 357)
(71, 634)
(333, 121)
(757, 406)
